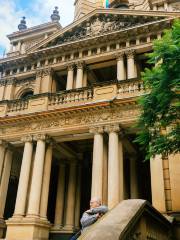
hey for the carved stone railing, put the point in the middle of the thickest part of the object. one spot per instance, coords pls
(17, 105)
(105, 91)
(70, 97)
(132, 219)
(130, 88)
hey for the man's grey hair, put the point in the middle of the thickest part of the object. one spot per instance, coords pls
(96, 199)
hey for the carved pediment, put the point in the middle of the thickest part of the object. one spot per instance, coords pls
(101, 24)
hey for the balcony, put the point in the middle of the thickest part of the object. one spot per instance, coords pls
(107, 91)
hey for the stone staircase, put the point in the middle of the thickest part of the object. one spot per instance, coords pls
(133, 219)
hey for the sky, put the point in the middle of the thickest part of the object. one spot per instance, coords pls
(35, 11)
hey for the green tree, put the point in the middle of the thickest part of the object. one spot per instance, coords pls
(159, 122)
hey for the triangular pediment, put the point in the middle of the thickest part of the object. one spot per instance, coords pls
(98, 23)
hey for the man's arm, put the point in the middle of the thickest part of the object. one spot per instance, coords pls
(87, 219)
(101, 209)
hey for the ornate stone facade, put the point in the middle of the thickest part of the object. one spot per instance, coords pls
(68, 109)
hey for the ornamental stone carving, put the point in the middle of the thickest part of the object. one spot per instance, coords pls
(96, 130)
(41, 137)
(27, 138)
(85, 118)
(130, 53)
(100, 25)
(112, 128)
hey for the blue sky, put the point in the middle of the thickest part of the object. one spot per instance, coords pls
(35, 11)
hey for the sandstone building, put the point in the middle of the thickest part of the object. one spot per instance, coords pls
(68, 104)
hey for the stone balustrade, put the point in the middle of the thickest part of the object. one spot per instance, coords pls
(70, 97)
(76, 97)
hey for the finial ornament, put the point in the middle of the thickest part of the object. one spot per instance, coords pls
(55, 16)
(22, 26)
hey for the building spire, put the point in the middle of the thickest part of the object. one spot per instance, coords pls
(55, 16)
(22, 25)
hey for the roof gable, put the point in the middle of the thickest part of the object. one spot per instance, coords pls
(100, 22)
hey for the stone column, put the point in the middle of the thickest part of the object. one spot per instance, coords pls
(70, 77)
(105, 174)
(37, 175)
(5, 180)
(37, 88)
(120, 66)
(79, 78)
(133, 178)
(9, 89)
(47, 75)
(46, 181)
(121, 171)
(24, 177)
(3, 146)
(85, 77)
(70, 207)
(58, 221)
(97, 165)
(130, 64)
(2, 89)
(78, 198)
(113, 166)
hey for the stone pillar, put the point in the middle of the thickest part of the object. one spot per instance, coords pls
(121, 171)
(85, 77)
(133, 178)
(58, 221)
(97, 165)
(105, 174)
(70, 77)
(24, 177)
(5, 180)
(46, 85)
(2, 90)
(78, 198)
(9, 90)
(46, 181)
(130, 64)
(70, 207)
(37, 88)
(37, 175)
(120, 66)
(79, 78)
(3, 146)
(113, 166)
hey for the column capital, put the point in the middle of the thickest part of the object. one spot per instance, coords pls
(27, 138)
(70, 66)
(112, 128)
(119, 55)
(80, 64)
(130, 53)
(40, 137)
(96, 130)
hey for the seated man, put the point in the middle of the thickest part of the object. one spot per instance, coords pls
(93, 214)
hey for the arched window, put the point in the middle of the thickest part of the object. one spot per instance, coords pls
(27, 94)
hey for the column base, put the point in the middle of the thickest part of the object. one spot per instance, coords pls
(27, 229)
(2, 227)
(68, 229)
(57, 227)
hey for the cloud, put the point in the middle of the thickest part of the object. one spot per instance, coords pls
(36, 12)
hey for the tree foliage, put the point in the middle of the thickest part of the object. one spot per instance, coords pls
(159, 122)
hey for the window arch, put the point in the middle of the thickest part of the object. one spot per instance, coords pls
(27, 94)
